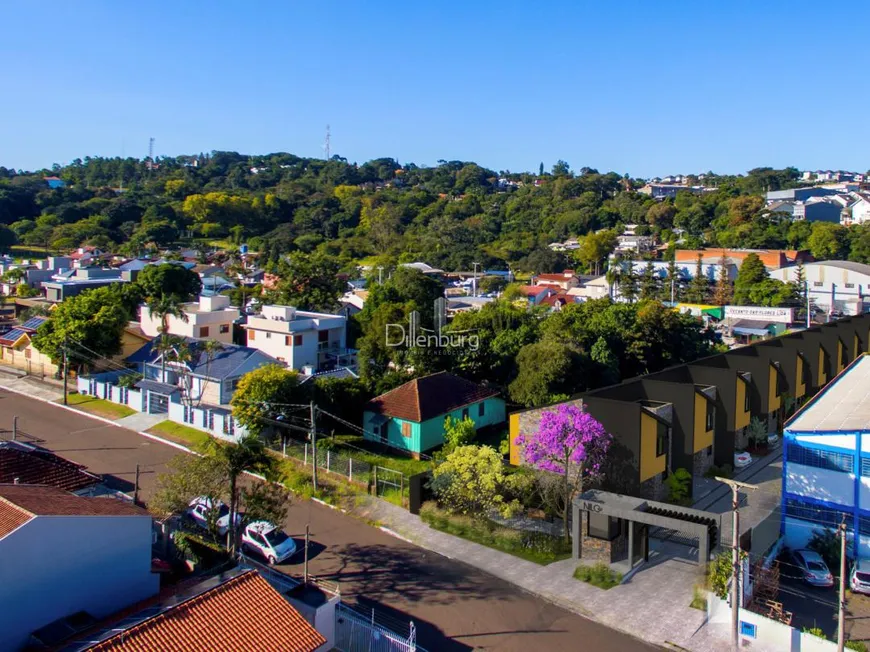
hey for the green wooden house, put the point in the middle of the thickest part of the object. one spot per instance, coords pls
(411, 417)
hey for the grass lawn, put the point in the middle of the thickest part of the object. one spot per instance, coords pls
(98, 406)
(180, 433)
(366, 451)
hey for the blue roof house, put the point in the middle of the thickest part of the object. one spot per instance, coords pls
(197, 390)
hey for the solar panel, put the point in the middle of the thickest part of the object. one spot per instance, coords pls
(12, 335)
(34, 322)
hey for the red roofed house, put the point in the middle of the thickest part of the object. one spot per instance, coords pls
(536, 293)
(22, 463)
(238, 610)
(411, 417)
(62, 554)
(565, 281)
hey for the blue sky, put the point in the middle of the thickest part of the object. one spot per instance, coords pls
(645, 88)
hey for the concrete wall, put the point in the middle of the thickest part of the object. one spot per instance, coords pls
(55, 566)
(770, 634)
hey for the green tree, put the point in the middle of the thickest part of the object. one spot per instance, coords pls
(649, 283)
(829, 241)
(751, 273)
(168, 280)
(457, 432)
(262, 393)
(544, 369)
(470, 481)
(699, 285)
(595, 248)
(308, 282)
(628, 283)
(87, 325)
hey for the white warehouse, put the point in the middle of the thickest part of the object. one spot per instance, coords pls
(834, 285)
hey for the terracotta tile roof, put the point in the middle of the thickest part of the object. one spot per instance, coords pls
(11, 518)
(534, 290)
(428, 397)
(32, 465)
(38, 500)
(243, 613)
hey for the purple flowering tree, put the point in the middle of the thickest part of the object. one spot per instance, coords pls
(569, 442)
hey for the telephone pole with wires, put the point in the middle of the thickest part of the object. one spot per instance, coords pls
(735, 485)
(65, 370)
(313, 432)
(841, 613)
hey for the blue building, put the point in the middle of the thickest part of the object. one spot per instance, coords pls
(826, 462)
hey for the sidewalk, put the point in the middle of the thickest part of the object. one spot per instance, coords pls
(17, 380)
(653, 604)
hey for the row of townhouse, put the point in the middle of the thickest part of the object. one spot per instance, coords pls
(697, 415)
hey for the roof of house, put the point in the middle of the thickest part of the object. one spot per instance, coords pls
(33, 323)
(242, 613)
(554, 277)
(848, 265)
(429, 397)
(28, 464)
(225, 362)
(11, 337)
(19, 503)
(533, 290)
(843, 406)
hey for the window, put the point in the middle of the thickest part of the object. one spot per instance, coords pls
(464, 414)
(817, 514)
(322, 336)
(601, 526)
(817, 284)
(251, 334)
(229, 425)
(27, 354)
(842, 462)
(864, 525)
(225, 328)
(711, 417)
(481, 409)
(746, 405)
(268, 336)
(210, 420)
(406, 429)
(188, 414)
(286, 340)
(203, 331)
(663, 433)
(865, 467)
(297, 340)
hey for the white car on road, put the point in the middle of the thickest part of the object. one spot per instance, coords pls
(269, 541)
(199, 509)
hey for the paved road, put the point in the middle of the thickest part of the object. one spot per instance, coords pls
(455, 606)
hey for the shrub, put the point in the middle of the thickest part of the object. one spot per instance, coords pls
(720, 573)
(856, 645)
(699, 600)
(679, 487)
(827, 544)
(724, 471)
(599, 575)
(815, 631)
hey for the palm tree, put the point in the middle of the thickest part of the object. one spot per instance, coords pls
(249, 454)
(614, 271)
(164, 307)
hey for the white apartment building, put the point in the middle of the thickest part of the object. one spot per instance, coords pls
(304, 341)
(209, 318)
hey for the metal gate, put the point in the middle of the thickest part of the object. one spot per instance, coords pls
(389, 483)
(354, 632)
(157, 403)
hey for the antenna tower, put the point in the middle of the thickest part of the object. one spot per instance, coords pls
(326, 145)
(151, 154)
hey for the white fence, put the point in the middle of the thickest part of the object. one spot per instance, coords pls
(759, 632)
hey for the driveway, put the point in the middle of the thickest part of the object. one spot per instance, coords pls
(454, 606)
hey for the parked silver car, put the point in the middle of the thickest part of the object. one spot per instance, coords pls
(815, 570)
(859, 578)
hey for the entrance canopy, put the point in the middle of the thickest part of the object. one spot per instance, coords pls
(704, 527)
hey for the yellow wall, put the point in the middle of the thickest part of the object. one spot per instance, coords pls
(839, 356)
(855, 347)
(741, 416)
(513, 433)
(703, 437)
(130, 343)
(822, 376)
(773, 401)
(800, 387)
(650, 464)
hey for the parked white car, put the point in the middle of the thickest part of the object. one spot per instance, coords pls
(269, 541)
(199, 509)
(859, 578)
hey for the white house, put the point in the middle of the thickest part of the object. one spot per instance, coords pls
(209, 318)
(62, 554)
(859, 212)
(834, 285)
(305, 341)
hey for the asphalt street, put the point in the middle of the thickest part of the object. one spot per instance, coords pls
(454, 606)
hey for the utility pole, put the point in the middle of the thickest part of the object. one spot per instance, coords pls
(14, 428)
(841, 616)
(474, 281)
(65, 369)
(380, 274)
(735, 557)
(313, 432)
(328, 144)
(307, 535)
(136, 486)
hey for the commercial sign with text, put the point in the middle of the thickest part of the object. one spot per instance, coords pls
(760, 313)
